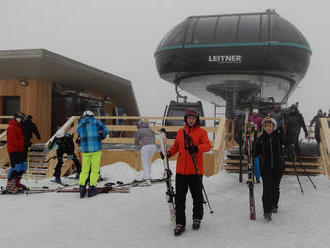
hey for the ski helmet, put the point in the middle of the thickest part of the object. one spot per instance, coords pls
(88, 113)
(269, 120)
(255, 111)
(192, 112)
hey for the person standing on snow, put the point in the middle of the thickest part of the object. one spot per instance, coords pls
(64, 144)
(146, 138)
(187, 176)
(91, 133)
(15, 148)
(269, 148)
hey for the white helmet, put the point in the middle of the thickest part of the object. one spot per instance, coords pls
(60, 134)
(255, 111)
(88, 113)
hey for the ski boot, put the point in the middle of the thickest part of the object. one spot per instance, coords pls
(82, 189)
(92, 191)
(179, 229)
(144, 183)
(11, 186)
(20, 187)
(268, 216)
(196, 224)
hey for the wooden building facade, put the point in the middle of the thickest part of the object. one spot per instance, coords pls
(51, 88)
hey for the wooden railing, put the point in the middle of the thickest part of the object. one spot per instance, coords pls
(325, 143)
(212, 159)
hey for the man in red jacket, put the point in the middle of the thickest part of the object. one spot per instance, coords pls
(15, 148)
(191, 140)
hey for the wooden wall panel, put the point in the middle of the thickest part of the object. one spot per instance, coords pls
(35, 100)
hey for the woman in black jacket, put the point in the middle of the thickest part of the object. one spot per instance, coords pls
(269, 147)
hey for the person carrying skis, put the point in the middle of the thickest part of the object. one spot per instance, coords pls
(15, 148)
(64, 144)
(269, 148)
(146, 138)
(187, 176)
(91, 133)
(29, 128)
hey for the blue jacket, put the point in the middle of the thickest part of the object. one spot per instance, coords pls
(91, 132)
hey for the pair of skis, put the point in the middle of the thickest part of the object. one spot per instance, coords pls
(168, 173)
(248, 146)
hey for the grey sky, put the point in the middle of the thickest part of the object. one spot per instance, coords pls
(121, 36)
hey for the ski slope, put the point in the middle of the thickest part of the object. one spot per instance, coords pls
(141, 218)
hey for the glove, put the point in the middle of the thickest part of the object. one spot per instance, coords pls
(168, 154)
(192, 149)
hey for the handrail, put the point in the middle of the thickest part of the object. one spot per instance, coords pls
(3, 135)
(326, 132)
(220, 134)
(65, 127)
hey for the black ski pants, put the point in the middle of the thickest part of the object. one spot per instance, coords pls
(194, 183)
(60, 153)
(271, 189)
(16, 158)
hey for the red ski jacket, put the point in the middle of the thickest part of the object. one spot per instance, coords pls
(15, 138)
(185, 163)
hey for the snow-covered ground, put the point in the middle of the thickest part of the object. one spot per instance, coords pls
(141, 218)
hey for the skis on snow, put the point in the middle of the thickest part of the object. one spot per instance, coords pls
(248, 145)
(169, 188)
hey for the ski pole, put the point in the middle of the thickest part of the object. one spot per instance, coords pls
(193, 156)
(305, 173)
(295, 169)
(240, 164)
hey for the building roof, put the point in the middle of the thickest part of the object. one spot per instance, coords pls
(49, 66)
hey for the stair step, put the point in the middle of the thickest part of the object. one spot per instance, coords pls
(37, 154)
(38, 165)
(38, 171)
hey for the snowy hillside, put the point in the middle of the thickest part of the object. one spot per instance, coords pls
(141, 218)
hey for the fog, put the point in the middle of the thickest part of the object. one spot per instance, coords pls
(120, 37)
